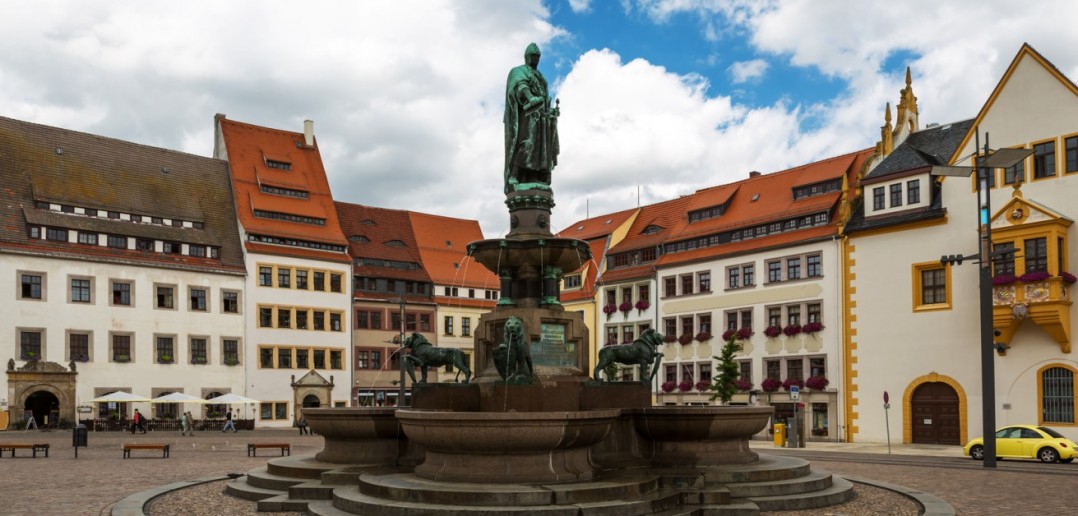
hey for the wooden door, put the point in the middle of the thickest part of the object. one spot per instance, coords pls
(935, 414)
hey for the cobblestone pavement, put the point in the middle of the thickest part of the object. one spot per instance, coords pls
(99, 477)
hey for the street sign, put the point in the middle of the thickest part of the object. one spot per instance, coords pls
(795, 392)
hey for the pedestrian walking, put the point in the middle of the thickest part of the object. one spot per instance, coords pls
(228, 422)
(185, 424)
(137, 423)
(302, 424)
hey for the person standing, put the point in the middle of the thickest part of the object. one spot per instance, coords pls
(137, 423)
(185, 424)
(229, 423)
(302, 424)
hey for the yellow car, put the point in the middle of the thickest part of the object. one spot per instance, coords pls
(1027, 442)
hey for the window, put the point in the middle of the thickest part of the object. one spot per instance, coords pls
(746, 319)
(774, 316)
(1057, 392)
(284, 317)
(913, 191)
(121, 293)
(198, 350)
(302, 356)
(60, 235)
(877, 198)
(670, 326)
(748, 275)
(931, 286)
(733, 277)
(813, 312)
(301, 320)
(30, 344)
(1044, 160)
(280, 165)
(121, 348)
(165, 350)
(273, 410)
(363, 359)
(198, 300)
(817, 366)
(793, 314)
(643, 293)
(117, 242)
(773, 369)
(686, 284)
(572, 281)
(465, 326)
(301, 279)
(704, 280)
(745, 370)
(165, 297)
(1036, 254)
(335, 282)
(1071, 151)
(172, 247)
(774, 271)
(1015, 174)
(231, 351)
(284, 277)
(335, 322)
(265, 358)
(265, 317)
(144, 244)
(896, 195)
(87, 238)
(319, 281)
(686, 326)
(31, 286)
(670, 287)
(793, 268)
(284, 358)
(80, 290)
(335, 359)
(813, 266)
(230, 302)
(1003, 258)
(319, 320)
(265, 276)
(795, 368)
(320, 359)
(197, 250)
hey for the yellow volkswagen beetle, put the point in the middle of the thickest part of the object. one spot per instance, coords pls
(1027, 442)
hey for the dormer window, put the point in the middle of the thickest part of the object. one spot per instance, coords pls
(707, 213)
(833, 185)
(651, 229)
(280, 165)
(395, 243)
(359, 238)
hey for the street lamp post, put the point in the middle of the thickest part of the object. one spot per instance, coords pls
(400, 352)
(1002, 158)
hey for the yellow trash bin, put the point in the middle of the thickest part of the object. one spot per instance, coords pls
(780, 435)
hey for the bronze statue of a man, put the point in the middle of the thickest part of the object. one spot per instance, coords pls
(531, 126)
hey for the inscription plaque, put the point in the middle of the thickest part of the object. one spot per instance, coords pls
(551, 349)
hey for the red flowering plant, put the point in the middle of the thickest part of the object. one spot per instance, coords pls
(668, 386)
(702, 385)
(817, 383)
(791, 329)
(1068, 278)
(642, 305)
(744, 333)
(812, 327)
(685, 386)
(609, 310)
(1034, 276)
(728, 334)
(743, 385)
(685, 339)
(790, 382)
(703, 336)
(669, 338)
(1003, 279)
(773, 331)
(770, 385)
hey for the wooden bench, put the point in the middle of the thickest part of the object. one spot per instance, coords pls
(24, 446)
(252, 448)
(146, 446)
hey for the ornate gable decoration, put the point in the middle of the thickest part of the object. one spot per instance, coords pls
(312, 379)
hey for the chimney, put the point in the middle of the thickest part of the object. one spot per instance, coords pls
(308, 133)
(754, 174)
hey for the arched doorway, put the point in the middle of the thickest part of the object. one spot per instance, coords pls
(42, 404)
(935, 413)
(311, 401)
(213, 411)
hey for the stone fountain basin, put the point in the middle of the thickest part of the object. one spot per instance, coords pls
(694, 436)
(568, 254)
(356, 435)
(506, 447)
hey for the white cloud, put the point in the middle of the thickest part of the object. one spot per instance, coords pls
(580, 6)
(744, 71)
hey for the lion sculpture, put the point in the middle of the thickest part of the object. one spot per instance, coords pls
(513, 358)
(425, 355)
(643, 351)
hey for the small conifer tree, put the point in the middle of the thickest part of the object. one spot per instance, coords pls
(724, 385)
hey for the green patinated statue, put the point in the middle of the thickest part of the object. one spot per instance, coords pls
(513, 358)
(531, 126)
(643, 351)
(425, 355)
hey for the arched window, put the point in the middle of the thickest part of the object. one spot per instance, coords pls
(1057, 393)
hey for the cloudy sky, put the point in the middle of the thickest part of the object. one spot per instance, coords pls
(659, 97)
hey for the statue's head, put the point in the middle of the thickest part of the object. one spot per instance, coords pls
(514, 328)
(531, 55)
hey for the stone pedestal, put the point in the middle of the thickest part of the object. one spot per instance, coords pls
(558, 342)
(365, 436)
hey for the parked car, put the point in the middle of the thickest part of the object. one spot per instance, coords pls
(1027, 442)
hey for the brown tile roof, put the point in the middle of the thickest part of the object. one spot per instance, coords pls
(368, 230)
(667, 215)
(443, 244)
(248, 148)
(59, 166)
(602, 225)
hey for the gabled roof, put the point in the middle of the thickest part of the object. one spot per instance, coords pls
(46, 164)
(664, 217)
(926, 148)
(601, 225)
(369, 231)
(249, 148)
(443, 246)
(1026, 51)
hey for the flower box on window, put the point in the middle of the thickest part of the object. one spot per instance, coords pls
(703, 336)
(123, 359)
(642, 305)
(812, 327)
(609, 309)
(791, 330)
(231, 361)
(685, 339)
(1000, 280)
(199, 361)
(726, 335)
(770, 385)
(817, 383)
(1031, 277)
(743, 385)
(625, 307)
(773, 331)
(668, 386)
(164, 359)
(790, 382)
(669, 338)
(684, 386)
(1068, 278)
(744, 333)
(703, 385)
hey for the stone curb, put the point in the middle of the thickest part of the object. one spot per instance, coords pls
(931, 505)
(133, 505)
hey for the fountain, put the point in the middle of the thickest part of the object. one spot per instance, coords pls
(532, 432)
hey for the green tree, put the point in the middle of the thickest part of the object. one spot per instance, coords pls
(723, 386)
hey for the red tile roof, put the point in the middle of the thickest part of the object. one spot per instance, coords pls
(443, 246)
(373, 233)
(248, 147)
(602, 225)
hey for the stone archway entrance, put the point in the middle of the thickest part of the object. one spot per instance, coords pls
(44, 405)
(42, 389)
(935, 412)
(311, 401)
(312, 390)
